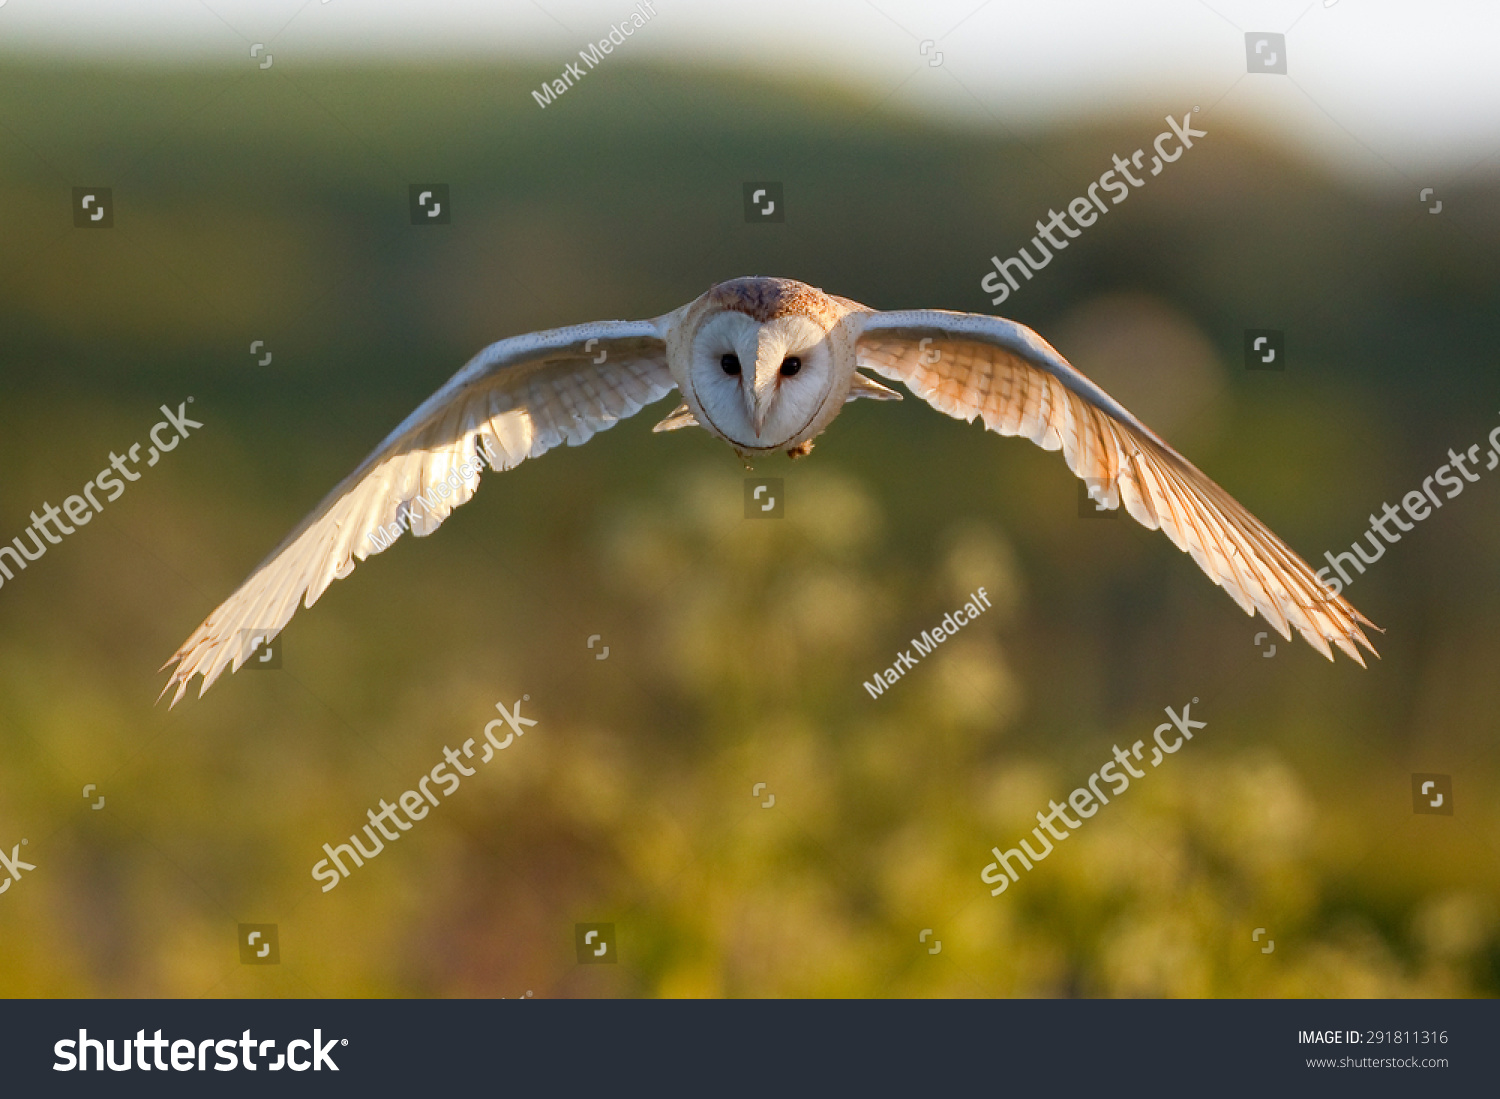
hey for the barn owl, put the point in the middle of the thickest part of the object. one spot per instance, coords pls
(764, 364)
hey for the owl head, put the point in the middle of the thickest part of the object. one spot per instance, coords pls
(761, 366)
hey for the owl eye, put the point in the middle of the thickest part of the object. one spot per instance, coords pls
(790, 366)
(730, 363)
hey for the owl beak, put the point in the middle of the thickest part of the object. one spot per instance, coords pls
(758, 415)
(763, 385)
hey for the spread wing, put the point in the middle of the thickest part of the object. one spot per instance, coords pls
(969, 365)
(515, 400)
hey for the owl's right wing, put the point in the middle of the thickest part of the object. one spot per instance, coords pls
(970, 365)
(516, 399)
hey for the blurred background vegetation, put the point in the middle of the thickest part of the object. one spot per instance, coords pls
(273, 206)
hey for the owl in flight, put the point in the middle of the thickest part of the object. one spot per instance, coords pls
(764, 364)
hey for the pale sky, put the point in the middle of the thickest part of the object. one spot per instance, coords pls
(1388, 92)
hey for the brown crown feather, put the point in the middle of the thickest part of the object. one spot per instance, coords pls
(764, 299)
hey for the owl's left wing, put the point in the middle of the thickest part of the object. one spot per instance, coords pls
(968, 365)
